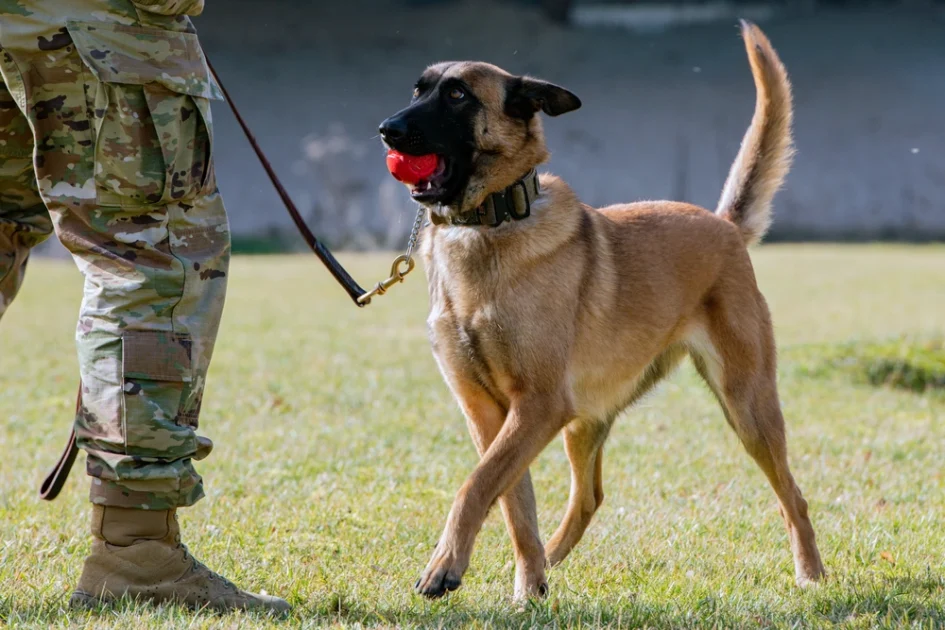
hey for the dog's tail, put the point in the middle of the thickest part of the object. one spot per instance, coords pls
(766, 152)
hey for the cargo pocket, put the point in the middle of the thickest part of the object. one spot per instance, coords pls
(150, 108)
(156, 355)
(157, 377)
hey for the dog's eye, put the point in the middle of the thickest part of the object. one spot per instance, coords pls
(416, 92)
(457, 94)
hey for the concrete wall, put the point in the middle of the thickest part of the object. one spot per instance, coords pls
(663, 112)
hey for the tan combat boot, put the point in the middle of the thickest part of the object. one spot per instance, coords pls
(138, 553)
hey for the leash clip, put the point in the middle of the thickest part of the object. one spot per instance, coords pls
(396, 275)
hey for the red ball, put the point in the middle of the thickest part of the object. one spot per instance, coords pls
(411, 169)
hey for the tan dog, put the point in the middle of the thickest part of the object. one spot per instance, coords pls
(547, 314)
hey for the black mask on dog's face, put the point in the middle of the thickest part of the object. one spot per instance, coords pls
(441, 120)
(482, 123)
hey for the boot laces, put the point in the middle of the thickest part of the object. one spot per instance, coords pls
(196, 566)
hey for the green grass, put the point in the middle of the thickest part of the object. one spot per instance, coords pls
(906, 362)
(339, 448)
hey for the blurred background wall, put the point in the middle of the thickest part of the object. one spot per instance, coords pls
(667, 96)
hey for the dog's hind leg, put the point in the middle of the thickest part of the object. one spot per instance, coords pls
(484, 418)
(584, 444)
(736, 357)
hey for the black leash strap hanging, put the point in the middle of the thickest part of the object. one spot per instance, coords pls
(56, 479)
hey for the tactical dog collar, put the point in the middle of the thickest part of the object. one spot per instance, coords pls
(512, 204)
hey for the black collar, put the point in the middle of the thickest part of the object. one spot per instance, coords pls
(512, 204)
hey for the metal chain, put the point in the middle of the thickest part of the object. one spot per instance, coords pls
(415, 232)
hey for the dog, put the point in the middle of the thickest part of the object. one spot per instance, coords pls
(547, 315)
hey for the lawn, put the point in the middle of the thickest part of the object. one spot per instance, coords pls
(339, 448)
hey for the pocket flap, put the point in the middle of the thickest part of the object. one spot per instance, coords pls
(130, 54)
(156, 355)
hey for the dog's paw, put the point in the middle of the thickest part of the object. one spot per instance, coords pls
(442, 575)
(809, 574)
(538, 590)
(530, 581)
(809, 581)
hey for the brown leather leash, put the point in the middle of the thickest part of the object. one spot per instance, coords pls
(54, 481)
(403, 265)
(334, 267)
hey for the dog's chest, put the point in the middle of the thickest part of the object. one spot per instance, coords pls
(465, 324)
(472, 341)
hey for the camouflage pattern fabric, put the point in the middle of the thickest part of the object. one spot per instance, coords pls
(114, 96)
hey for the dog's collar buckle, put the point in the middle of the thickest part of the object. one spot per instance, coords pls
(507, 198)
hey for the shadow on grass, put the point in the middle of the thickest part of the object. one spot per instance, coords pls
(889, 601)
(893, 601)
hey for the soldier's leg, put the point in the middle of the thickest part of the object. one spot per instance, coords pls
(121, 124)
(121, 120)
(138, 209)
(24, 221)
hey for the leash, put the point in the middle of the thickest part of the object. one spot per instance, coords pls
(402, 266)
(54, 481)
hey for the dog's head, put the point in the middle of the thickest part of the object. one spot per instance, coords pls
(482, 123)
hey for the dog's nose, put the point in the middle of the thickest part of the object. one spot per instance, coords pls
(393, 129)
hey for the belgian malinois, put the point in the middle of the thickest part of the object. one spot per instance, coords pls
(547, 314)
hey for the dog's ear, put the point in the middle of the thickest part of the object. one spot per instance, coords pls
(525, 96)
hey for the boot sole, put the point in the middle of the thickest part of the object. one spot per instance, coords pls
(84, 601)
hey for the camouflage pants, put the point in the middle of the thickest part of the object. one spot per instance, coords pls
(105, 136)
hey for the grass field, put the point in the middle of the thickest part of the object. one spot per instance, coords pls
(338, 450)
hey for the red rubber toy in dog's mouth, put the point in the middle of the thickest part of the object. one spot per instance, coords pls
(423, 173)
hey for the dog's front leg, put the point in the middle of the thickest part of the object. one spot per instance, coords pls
(485, 417)
(533, 421)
